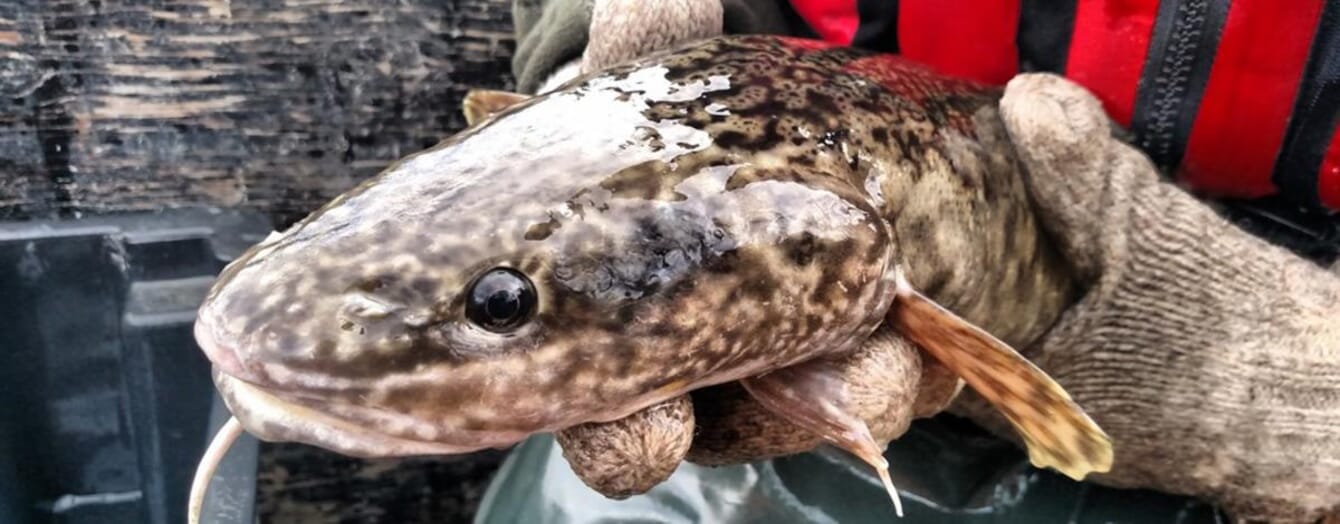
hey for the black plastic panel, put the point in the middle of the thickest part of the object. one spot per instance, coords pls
(106, 398)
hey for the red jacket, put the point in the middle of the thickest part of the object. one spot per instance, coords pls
(1238, 99)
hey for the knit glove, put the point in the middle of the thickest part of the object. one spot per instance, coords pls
(1210, 357)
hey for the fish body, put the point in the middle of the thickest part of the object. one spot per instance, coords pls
(700, 216)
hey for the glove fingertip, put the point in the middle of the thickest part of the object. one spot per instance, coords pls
(1046, 107)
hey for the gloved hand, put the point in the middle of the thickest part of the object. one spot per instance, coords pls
(1211, 358)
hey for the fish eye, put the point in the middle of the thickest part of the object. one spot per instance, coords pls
(500, 300)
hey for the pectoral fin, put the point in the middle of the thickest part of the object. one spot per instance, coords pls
(813, 396)
(1058, 433)
(480, 104)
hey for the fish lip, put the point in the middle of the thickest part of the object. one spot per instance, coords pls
(222, 356)
(276, 413)
(272, 418)
(227, 358)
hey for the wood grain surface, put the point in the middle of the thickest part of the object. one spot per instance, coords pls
(278, 105)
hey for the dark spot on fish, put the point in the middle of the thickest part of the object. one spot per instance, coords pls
(288, 343)
(648, 286)
(626, 314)
(254, 319)
(623, 361)
(664, 329)
(762, 286)
(961, 171)
(821, 103)
(324, 349)
(917, 228)
(542, 230)
(735, 294)
(731, 139)
(322, 273)
(801, 250)
(879, 134)
(835, 258)
(803, 159)
(424, 286)
(813, 323)
(871, 104)
(910, 140)
(531, 265)
(373, 284)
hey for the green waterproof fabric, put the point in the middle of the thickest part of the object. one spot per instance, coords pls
(946, 470)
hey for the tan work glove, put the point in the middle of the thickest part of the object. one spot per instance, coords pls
(1211, 357)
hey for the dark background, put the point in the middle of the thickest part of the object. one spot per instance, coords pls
(110, 106)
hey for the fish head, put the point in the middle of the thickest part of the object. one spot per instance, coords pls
(573, 259)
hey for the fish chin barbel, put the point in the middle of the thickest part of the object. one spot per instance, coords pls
(734, 208)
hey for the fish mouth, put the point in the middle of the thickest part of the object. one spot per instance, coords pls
(223, 357)
(277, 412)
(275, 419)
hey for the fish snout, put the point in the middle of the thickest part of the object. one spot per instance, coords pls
(222, 356)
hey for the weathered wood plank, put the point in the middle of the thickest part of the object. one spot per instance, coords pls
(278, 105)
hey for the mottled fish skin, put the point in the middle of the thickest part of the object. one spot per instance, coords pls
(728, 208)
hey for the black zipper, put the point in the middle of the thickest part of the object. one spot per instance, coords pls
(1177, 66)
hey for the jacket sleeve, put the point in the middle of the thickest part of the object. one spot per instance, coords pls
(552, 33)
(549, 33)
